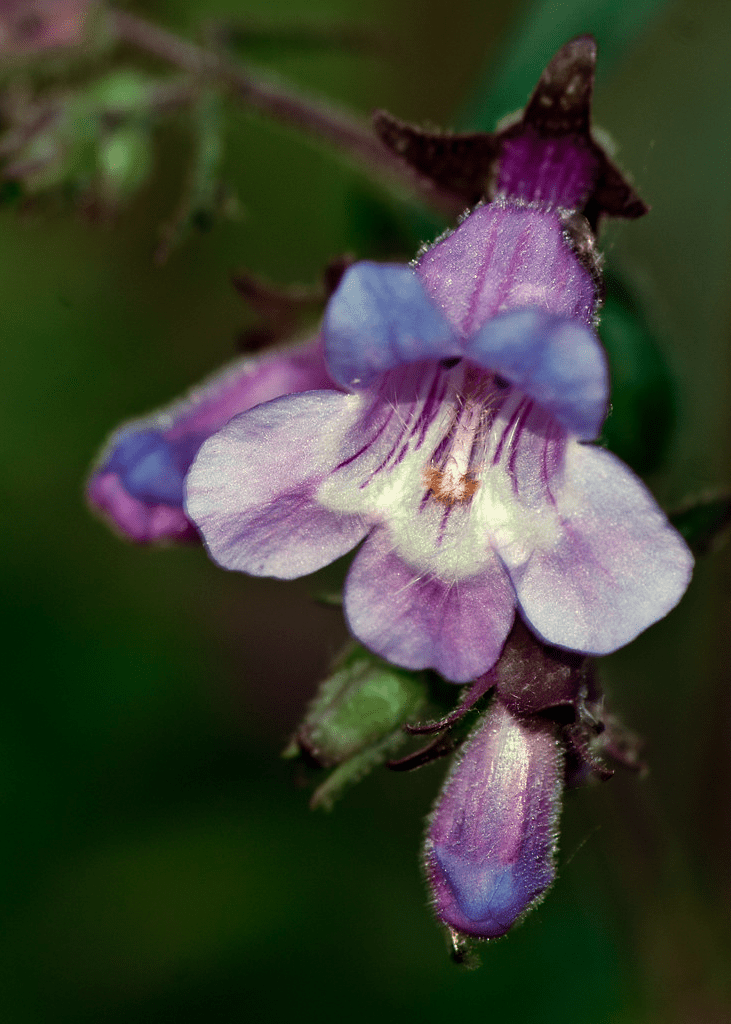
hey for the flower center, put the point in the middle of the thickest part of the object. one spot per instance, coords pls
(452, 475)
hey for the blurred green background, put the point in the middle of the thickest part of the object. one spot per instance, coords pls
(159, 864)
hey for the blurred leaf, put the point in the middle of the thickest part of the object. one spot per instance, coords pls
(66, 142)
(545, 26)
(125, 91)
(642, 409)
(11, 193)
(266, 38)
(705, 523)
(125, 161)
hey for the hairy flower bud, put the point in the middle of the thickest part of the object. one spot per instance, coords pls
(491, 841)
(138, 484)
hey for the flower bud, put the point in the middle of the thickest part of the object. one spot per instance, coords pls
(355, 720)
(138, 484)
(491, 841)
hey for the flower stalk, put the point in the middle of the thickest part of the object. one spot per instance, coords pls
(349, 136)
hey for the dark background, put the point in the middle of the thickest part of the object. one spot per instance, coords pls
(157, 862)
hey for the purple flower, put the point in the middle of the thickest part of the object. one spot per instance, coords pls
(474, 379)
(491, 840)
(138, 483)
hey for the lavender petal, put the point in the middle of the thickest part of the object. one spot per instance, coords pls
(380, 317)
(554, 360)
(420, 621)
(614, 565)
(251, 488)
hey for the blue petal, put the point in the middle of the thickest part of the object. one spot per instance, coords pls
(555, 360)
(494, 895)
(380, 317)
(151, 468)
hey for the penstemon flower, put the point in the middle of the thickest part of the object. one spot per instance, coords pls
(500, 545)
(138, 482)
(474, 381)
(444, 420)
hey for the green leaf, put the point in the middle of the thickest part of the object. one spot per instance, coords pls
(642, 410)
(704, 523)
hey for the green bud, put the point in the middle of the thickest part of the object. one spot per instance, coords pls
(354, 722)
(363, 700)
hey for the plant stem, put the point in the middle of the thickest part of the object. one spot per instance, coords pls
(347, 134)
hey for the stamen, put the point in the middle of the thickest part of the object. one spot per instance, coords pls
(448, 486)
(450, 477)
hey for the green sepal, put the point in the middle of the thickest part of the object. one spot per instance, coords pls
(354, 769)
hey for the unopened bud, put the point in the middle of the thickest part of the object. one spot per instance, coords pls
(491, 842)
(355, 721)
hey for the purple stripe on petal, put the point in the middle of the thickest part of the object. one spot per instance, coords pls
(615, 566)
(433, 407)
(472, 274)
(560, 171)
(398, 443)
(491, 841)
(558, 362)
(370, 441)
(534, 458)
(507, 437)
(251, 488)
(380, 317)
(423, 622)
